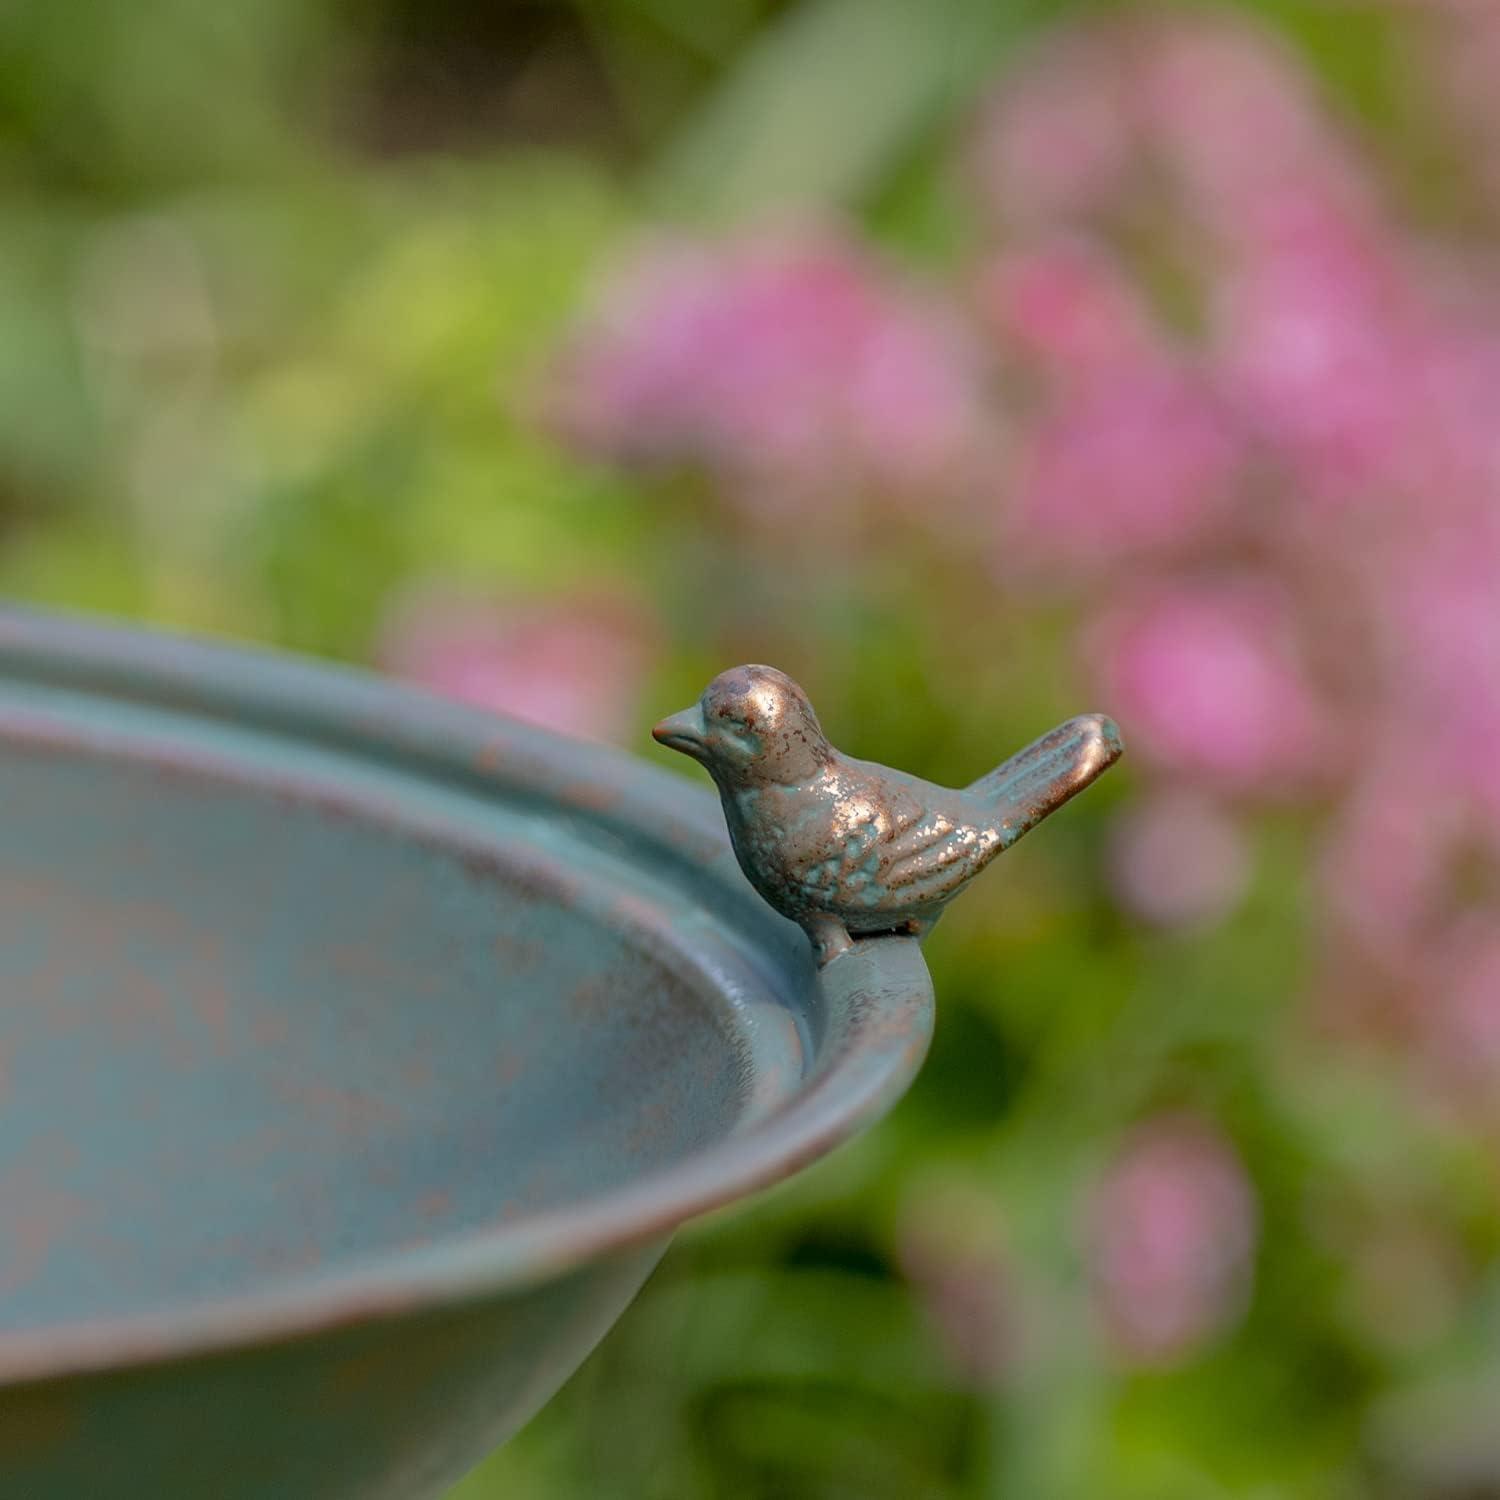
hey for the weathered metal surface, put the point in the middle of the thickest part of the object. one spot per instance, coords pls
(358, 1054)
(845, 847)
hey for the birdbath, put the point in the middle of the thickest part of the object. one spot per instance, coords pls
(359, 1054)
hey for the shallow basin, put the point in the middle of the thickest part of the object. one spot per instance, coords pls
(358, 1055)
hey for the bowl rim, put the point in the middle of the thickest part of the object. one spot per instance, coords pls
(876, 1001)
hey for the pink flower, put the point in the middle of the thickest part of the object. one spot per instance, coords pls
(1232, 116)
(1206, 105)
(1424, 804)
(1387, 861)
(1130, 454)
(1123, 469)
(1171, 1229)
(574, 665)
(1321, 344)
(1318, 312)
(1207, 676)
(1067, 307)
(1177, 860)
(791, 368)
(1442, 627)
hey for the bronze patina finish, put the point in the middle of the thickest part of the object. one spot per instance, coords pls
(845, 847)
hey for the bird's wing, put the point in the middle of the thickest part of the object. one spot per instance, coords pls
(934, 855)
(911, 852)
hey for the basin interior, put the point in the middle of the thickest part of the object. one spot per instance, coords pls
(248, 1032)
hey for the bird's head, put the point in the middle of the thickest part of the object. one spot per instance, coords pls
(752, 726)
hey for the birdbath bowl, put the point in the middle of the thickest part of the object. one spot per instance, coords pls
(358, 1056)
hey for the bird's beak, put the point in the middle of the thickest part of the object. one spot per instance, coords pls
(682, 731)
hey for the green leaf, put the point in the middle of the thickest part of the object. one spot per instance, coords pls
(829, 99)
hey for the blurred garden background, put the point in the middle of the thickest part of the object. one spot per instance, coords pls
(978, 362)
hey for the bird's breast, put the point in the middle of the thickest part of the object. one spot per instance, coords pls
(791, 842)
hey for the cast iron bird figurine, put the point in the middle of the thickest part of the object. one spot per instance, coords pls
(846, 847)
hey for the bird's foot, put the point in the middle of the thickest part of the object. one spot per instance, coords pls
(829, 938)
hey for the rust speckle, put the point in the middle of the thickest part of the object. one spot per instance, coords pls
(270, 1030)
(592, 796)
(518, 955)
(589, 1003)
(417, 1074)
(212, 1005)
(491, 757)
(347, 1112)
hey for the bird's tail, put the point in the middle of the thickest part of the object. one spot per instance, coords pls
(1037, 781)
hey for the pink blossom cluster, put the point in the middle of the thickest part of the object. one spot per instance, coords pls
(1289, 585)
(792, 365)
(1172, 1227)
(1292, 582)
(1203, 383)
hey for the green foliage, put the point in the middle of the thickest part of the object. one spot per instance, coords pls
(253, 380)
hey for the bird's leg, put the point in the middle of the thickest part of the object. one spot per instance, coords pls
(829, 937)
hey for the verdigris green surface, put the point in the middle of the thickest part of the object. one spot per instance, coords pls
(358, 1054)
